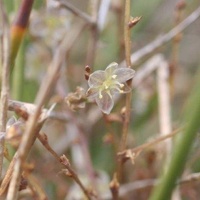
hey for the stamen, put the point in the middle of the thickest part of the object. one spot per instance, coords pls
(100, 95)
(114, 76)
(108, 92)
(120, 84)
(118, 89)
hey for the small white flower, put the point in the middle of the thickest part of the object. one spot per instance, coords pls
(103, 85)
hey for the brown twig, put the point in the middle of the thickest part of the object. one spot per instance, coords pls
(128, 64)
(127, 42)
(7, 177)
(34, 183)
(71, 173)
(63, 160)
(5, 63)
(77, 12)
(114, 187)
(44, 140)
(94, 31)
(126, 154)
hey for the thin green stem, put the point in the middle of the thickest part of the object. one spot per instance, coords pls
(181, 149)
(18, 74)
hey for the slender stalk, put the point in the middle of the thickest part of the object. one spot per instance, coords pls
(180, 6)
(181, 149)
(70, 172)
(5, 66)
(18, 74)
(18, 28)
(76, 11)
(164, 105)
(5, 182)
(123, 155)
(94, 31)
(128, 96)
(63, 160)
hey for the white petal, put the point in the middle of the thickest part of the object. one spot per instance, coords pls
(126, 88)
(96, 78)
(120, 90)
(106, 103)
(124, 74)
(92, 93)
(110, 69)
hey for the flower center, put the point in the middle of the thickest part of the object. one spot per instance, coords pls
(110, 83)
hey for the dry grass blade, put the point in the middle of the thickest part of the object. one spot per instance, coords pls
(5, 66)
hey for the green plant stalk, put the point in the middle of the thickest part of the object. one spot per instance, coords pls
(18, 71)
(179, 155)
(18, 28)
(18, 74)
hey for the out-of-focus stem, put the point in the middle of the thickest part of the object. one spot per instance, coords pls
(91, 52)
(18, 74)
(164, 104)
(5, 66)
(176, 43)
(181, 149)
(18, 28)
(128, 96)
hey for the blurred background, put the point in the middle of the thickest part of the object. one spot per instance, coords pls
(88, 138)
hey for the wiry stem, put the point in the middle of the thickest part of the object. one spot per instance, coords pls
(123, 154)
(76, 11)
(63, 160)
(5, 63)
(164, 104)
(128, 96)
(70, 172)
(181, 149)
(18, 28)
